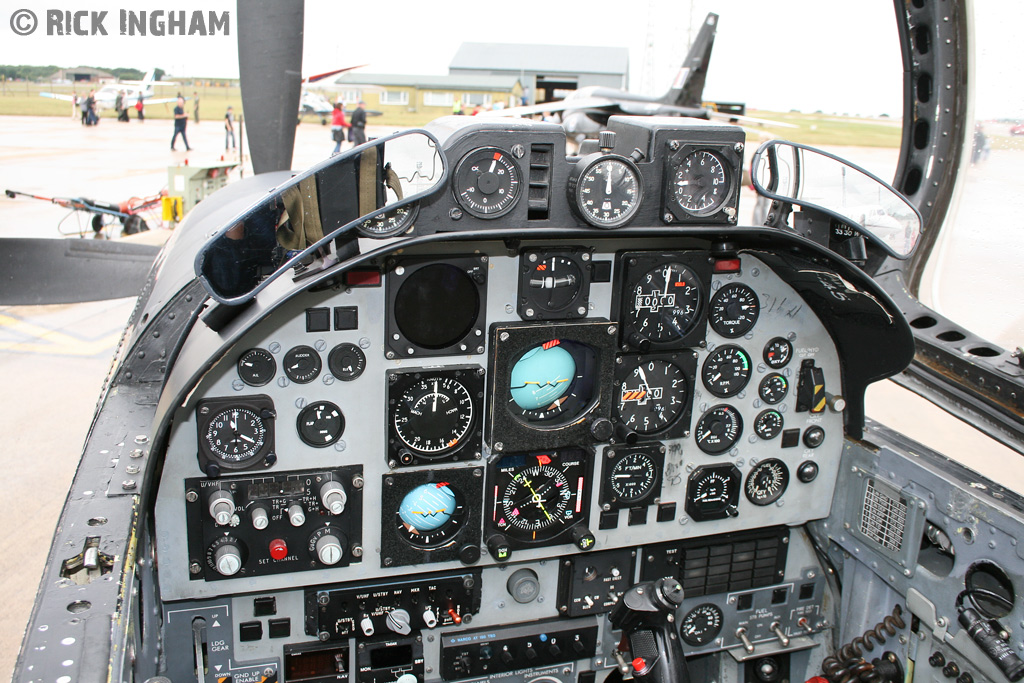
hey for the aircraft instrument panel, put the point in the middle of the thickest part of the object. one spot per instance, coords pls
(452, 462)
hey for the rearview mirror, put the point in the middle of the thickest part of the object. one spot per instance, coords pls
(811, 178)
(372, 189)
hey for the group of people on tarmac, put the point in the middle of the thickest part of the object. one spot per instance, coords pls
(89, 114)
(356, 129)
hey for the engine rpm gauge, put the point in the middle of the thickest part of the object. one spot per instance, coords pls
(726, 371)
(605, 190)
(734, 310)
(652, 396)
(718, 429)
(701, 625)
(701, 183)
(766, 482)
(487, 182)
(665, 303)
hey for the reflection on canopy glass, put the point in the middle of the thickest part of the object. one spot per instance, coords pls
(296, 223)
(816, 179)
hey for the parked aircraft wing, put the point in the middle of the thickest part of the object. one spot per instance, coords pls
(91, 270)
(562, 105)
(57, 96)
(327, 74)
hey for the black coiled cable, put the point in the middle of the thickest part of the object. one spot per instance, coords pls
(848, 664)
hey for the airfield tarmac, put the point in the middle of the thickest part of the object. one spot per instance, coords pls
(53, 359)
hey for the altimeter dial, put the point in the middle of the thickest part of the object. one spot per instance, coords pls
(652, 396)
(665, 303)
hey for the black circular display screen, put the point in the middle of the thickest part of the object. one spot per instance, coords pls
(436, 306)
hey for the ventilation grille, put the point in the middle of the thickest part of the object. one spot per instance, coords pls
(884, 517)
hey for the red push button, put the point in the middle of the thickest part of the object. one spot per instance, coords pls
(639, 664)
(278, 549)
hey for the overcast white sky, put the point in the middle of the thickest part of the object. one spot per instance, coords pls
(772, 55)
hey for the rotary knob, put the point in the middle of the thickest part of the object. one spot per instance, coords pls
(228, 559)
(222, 507)
(398, 620)
(260, 519)
(329, 550)
(296, 515)
(333, 496)
(523, 585)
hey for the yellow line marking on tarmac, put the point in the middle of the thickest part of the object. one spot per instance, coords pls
(53, 341)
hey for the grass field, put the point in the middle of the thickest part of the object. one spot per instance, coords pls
(22, 99)
(829, 130)
(825, 130)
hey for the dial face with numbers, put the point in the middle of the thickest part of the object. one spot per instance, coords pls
(665, 303)
(768, 424)
(236, 434)
(734, 310)
(767, 482)
(777, 353)
(726, 371)
(608, 191)
(433, 416)
(633, 476)
(652, 396)
(539, 495)
(487, 182)
(701, 183)
(718, 429)
(701, 625)
(773, 388)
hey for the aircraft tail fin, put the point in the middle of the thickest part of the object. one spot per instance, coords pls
(149, 77)
(688, 87)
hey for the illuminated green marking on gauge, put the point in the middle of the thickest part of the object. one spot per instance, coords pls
(726, 371)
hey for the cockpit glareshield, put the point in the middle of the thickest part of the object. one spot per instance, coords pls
(373, 189)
